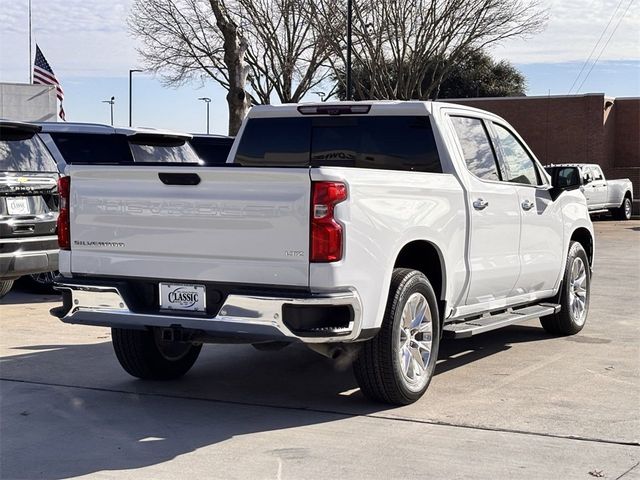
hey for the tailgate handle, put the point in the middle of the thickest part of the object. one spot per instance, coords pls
(179, 178)
(29, 228)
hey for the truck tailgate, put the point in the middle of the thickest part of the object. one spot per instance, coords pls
(240, 225)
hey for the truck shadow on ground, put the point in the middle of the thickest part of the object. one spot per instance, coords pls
(21, 296)
(108, 421)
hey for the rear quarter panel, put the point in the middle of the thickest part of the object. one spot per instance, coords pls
(617, 190)
(385, 211)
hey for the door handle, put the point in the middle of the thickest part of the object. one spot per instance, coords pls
(178, 178)
(527, 205)
(480, 204)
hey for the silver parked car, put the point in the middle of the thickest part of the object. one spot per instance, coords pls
(615, 196)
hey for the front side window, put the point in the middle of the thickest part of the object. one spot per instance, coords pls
(476, 147)
(520, 165)
(597, 173)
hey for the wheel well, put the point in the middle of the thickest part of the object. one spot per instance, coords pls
(583, 237)
(424, 256)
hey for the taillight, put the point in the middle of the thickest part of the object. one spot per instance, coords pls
(326, 232)
(64, 232)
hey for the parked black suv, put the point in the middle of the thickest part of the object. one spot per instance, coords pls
(28, 204)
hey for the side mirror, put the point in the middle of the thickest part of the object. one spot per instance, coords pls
(563, 179)
(587, 178)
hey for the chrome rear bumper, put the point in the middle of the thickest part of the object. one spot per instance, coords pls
(248, 317)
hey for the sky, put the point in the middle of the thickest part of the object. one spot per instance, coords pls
(91, 51)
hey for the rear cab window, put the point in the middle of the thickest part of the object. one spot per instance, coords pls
(162, 149)
(93, 148)
(377, 142)
(120, 149)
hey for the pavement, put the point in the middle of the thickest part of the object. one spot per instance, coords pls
(514, 403)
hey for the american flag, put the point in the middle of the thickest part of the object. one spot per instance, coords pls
(43, 74)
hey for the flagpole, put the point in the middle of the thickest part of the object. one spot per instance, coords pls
(30, 47)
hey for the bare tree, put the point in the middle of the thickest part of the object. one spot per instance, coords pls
(397, 43)
(253, 49)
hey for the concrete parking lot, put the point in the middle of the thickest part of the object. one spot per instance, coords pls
(514, 403)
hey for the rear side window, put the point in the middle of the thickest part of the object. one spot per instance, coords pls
(93, 148)
(24, 152)
(476, 147)
(389, 142)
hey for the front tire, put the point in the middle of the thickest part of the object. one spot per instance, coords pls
(396, 366)
(143, 354)
(623, 212)
(574, 295)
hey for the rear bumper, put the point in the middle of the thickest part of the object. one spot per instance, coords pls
(23, 256)
(242, 317)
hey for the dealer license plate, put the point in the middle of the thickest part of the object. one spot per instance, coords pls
(18, 206)
(177, 296)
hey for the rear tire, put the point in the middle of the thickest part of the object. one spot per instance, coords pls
(144, 355)
(623, 212)
(5, 286)
(574, 295)
(41, 282)
(396, 366)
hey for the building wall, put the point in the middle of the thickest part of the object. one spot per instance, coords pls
(589, 128)
(28, 103)
(627, 141)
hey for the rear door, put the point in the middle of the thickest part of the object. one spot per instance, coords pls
(223, 224)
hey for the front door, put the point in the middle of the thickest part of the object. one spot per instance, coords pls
(598, 188)
(541, 232)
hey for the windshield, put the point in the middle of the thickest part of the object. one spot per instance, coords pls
(24, 152)
(163, 150)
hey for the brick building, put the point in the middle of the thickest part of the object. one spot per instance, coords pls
(589, 128)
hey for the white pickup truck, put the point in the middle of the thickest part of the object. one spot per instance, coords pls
(615, 196)
(372, 229)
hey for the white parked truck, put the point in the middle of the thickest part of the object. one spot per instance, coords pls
(615, 196)
(373, 228)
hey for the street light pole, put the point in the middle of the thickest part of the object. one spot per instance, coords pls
(349, 23)
(206, 100)
(111, 101)
(130, 94)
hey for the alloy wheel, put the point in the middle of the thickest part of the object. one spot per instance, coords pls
(415, 341)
